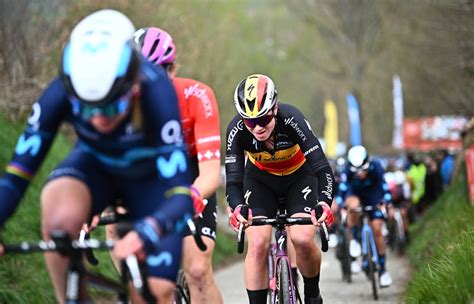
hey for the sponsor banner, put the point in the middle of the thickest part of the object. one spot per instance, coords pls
(397, 140)
(432, 133)
(330, 128)
(470, 172)
(354, 120)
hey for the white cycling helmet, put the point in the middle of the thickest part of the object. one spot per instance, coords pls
(99, 62)
(358, 158)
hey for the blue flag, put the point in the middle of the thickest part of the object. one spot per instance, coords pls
(354, 120)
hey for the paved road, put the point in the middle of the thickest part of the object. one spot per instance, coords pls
(231, 282)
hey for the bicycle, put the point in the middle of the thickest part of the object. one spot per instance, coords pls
(181, 293)
(370, 258)
(61, 242)
(342, 250)
(282, 287)
(397, 237)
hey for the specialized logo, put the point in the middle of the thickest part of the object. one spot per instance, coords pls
(305, 192)
(163, 259)
(281, 242)
(247, 195)
(255, 143)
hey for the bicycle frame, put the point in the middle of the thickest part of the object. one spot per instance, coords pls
(277, 252)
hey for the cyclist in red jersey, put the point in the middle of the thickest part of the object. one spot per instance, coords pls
(200, 125)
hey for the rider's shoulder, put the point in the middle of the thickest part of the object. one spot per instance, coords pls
(189, 87)
(236, 124)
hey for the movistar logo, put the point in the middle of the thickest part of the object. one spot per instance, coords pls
(94, 48)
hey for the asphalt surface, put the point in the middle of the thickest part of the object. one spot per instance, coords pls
(333, 289)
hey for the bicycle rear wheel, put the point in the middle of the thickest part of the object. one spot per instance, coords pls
(399, 235)
(371, 266)
(284, 292)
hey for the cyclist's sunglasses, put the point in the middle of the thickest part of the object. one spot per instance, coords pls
(361, 169)
(261, 121)
(110, 110)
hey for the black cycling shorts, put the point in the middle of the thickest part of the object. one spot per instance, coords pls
(208, 221)
(262, 191)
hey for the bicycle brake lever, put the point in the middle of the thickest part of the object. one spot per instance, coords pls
(88, 253)
(196, 235)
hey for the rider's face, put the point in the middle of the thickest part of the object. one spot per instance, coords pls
(262, 133)
(104, 124)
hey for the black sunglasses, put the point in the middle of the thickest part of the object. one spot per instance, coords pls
(261, 121)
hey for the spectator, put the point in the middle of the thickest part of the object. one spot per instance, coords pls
(417, 174)
(432, 181)
(447, 168)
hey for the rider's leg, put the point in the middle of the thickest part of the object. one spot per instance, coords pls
(198, 270)
(376, 225)
(353, 202)
(308, 256)
(256, 261)
(292, 257)
(66, 203)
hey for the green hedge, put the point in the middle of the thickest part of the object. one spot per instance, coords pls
(442, 249)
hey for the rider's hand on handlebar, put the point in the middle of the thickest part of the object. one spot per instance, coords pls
(91, 227)
(236, 217)
(326, 217)
(130, 244)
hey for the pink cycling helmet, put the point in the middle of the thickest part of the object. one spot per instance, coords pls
(156, 45)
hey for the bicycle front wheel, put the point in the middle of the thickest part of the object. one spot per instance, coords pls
(181, 292)
(284, 292)
(371, 266)
(346, 257)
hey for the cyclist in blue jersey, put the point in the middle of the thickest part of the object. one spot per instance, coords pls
(125, 113)
(364, 184)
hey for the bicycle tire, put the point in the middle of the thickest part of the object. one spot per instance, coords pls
(399, 236)
(346, 258)
(371, 266)
(283, 282)
(181, 292)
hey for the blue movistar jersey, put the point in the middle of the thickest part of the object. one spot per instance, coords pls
(371, 190)
(147, 143)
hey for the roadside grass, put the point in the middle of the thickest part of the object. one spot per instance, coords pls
(442, 249)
